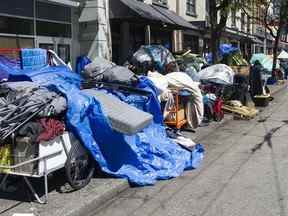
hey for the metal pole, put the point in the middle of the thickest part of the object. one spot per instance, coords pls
(148, 35)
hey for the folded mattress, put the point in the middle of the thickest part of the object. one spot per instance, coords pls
(123, 117)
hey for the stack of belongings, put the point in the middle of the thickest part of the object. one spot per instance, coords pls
(237, 99)
(212, 103)
(213, 80)
(31, 114)
(101, 112)
(191, 64)
(180, 81)
(102, 74)
(153, 57)
(129, 102)
(226, 52)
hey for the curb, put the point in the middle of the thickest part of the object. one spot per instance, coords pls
(282, 87)
(97, 201)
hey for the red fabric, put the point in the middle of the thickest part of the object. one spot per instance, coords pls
(52, 129)
(218, 113)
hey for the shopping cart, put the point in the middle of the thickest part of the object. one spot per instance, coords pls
(64, 151)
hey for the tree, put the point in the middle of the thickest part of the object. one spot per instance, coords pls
(219, 11)
(276, 24)
(274, 19)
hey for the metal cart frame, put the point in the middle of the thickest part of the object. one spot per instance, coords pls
(26, 176)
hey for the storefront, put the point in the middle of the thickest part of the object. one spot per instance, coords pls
(136, 23)
(35, 23)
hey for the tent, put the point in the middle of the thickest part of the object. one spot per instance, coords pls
(283, 55)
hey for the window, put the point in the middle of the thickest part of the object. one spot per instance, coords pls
(161, 2)
(53, 29)
(242, 22)
(53, 12)
(233, 18)
(248, 25)
(17, 7)
(11, 25)
(191, 7)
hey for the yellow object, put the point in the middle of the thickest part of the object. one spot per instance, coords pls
(242, 112)
(5, 157)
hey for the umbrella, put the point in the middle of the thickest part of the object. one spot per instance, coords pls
(265, 60)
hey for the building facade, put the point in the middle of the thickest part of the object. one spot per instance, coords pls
(70, 28)
(35, 23)
(82, 27)
(134, 23)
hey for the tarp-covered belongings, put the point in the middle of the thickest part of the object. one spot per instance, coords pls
(283, 55)
(224, 50)
(191, 64)
(144, 157)
(219, 73)
(189, 58)
(265, 60)
(103, 70)
(195, 107)
(154, 57)
(181, 81)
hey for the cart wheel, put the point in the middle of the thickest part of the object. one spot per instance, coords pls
(79, 166)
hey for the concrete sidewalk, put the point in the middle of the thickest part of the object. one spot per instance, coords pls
(99, 191)
(244, 173)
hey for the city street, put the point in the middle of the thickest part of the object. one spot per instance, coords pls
(244, 173)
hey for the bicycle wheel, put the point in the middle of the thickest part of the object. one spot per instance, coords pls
(79, 166)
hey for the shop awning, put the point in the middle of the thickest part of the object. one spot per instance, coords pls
(178, 20)
(157, 14)
(66, 2)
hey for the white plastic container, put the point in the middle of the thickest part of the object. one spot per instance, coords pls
(57, 161)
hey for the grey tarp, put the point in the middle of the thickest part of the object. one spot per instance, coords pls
(106, 71)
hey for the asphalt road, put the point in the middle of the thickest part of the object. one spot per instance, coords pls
(245, 172)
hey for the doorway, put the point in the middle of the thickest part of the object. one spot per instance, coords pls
(62, 46)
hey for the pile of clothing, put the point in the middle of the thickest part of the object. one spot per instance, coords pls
(30, 114)
(20, 102)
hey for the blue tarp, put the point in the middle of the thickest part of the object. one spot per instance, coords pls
(224, 49)
(142, 158)
(7, 65)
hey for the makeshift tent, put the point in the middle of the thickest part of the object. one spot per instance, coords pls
(219, 73)
(283, 55)
(265, 60)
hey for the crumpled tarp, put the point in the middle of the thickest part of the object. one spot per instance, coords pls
(156, 55)
(142, 158)
(219, 73)
(224, 49)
